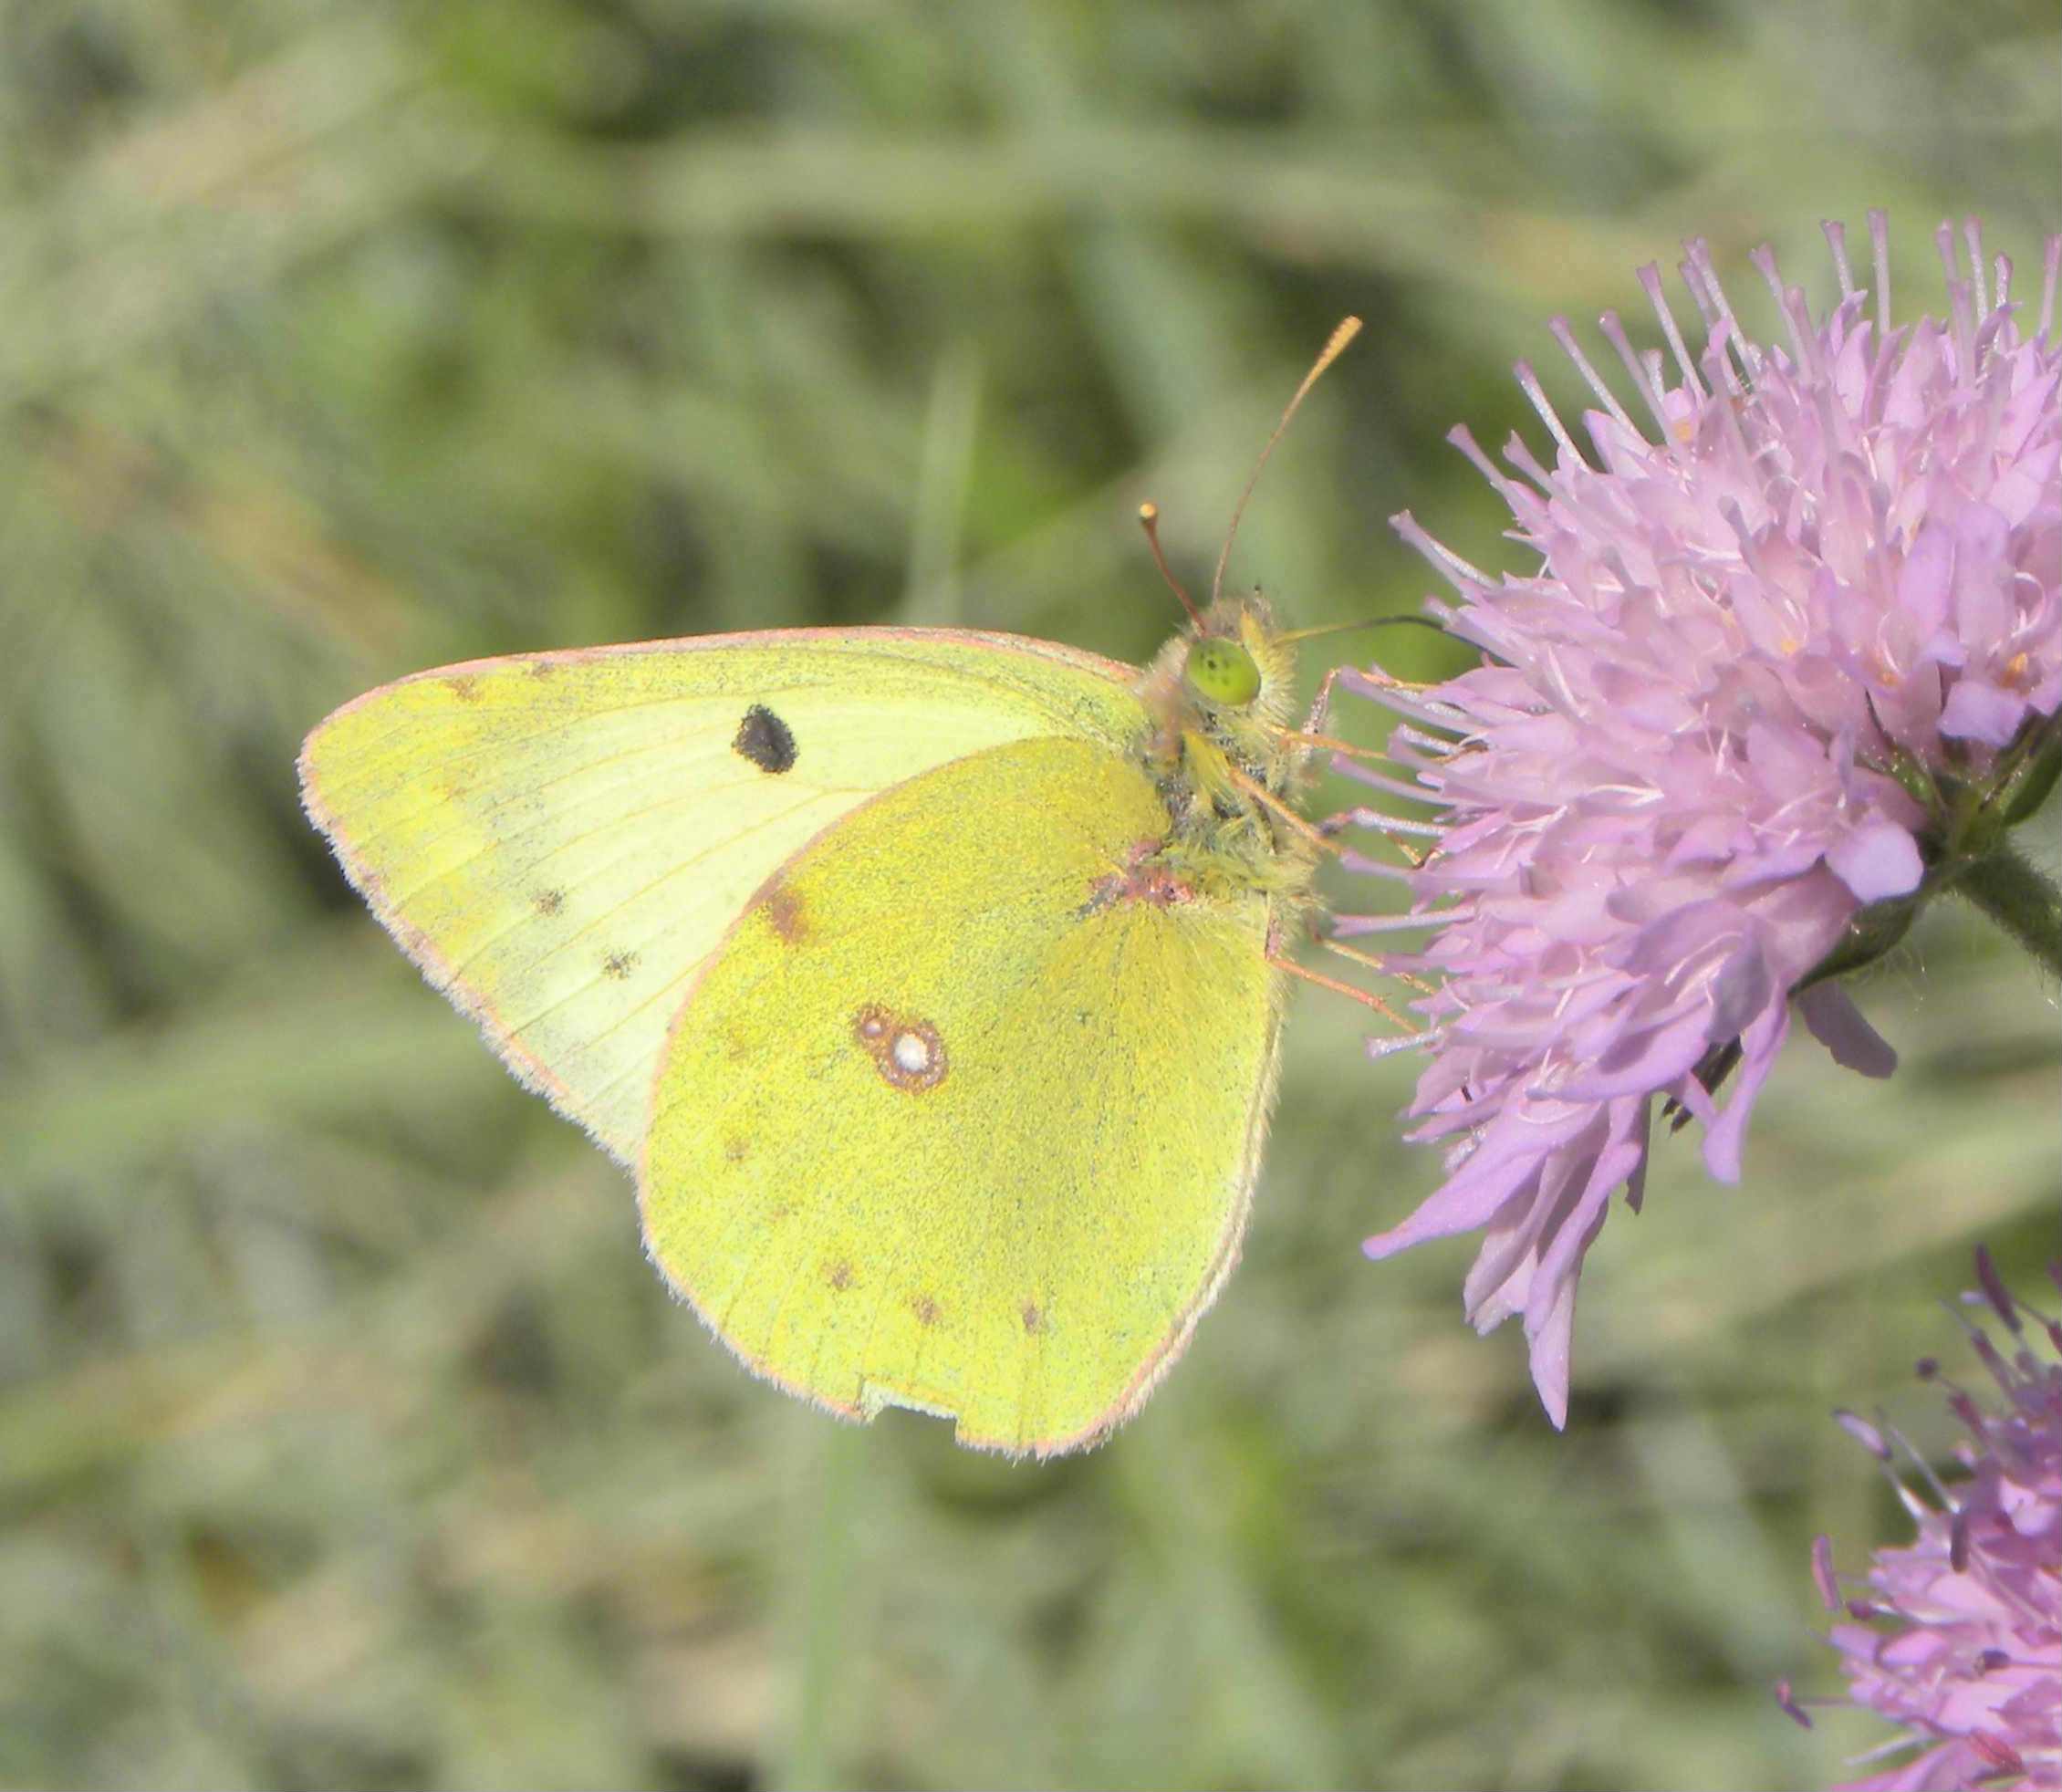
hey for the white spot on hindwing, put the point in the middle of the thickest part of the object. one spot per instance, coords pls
(911, 1053)
(907, 1050)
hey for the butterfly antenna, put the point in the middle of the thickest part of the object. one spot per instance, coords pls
(1364, 623)
(1348, 328)
(1149, 520)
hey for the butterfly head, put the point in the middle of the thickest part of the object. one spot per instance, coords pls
(1236, 670)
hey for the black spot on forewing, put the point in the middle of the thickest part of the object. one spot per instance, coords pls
(549, 901)
(619, 966)
(765, 740)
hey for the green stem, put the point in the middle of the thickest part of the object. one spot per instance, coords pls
(2023, 901)
(824, 1557)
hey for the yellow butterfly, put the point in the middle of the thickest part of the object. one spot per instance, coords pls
(929, 980)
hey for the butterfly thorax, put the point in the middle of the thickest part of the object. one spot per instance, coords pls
(1229, 772)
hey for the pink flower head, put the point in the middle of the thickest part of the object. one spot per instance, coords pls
(1957, 1637)
(1715, 753)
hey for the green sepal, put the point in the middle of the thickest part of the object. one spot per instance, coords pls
(2033, 780)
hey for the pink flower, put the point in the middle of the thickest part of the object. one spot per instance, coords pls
(1957, 1637)
(1790, 647)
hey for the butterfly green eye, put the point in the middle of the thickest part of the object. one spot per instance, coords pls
(1222, 672)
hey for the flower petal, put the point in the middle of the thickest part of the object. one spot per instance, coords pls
(1838, 1024)
(1978, 711)
(1876, 861)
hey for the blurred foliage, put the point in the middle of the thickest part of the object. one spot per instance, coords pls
(345, 1436)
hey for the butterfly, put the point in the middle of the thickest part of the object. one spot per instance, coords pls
(931, 981)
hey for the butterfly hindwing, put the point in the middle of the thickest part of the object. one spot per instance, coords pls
(964, 1114)
(561, 839)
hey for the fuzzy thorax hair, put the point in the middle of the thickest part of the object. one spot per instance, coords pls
(1228, 771)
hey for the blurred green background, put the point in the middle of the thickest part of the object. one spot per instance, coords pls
(345, 1436)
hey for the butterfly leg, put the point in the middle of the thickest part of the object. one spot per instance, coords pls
(1321, 705)
(1366, 997)
(1312, 734)
(1375, 963)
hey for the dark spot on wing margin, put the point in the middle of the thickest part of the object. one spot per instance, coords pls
(785, 917)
